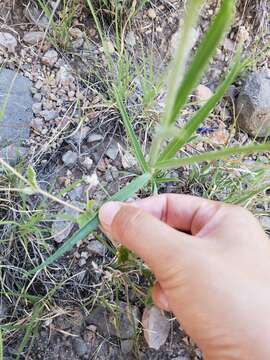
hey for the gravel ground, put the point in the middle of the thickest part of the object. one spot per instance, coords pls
(77, 146)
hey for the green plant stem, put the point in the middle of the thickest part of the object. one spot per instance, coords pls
(212, 156)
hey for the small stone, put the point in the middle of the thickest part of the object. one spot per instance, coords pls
(80, 135)
(156, 327)
(265, 221)
(3, 309)
(76, 33)
(219, 137)
(77, 44)
(203, 93)
(109, 47)
(39, 84)
(125, 322)
(8, 42)
(112, 150)
(228, 44)
(151, 13)
(92, 181)
(64, 76)
(130, 38)
(49, 115)
(50, 58)
(82, 262)
(253, 105)
(96, 247)
(33, 37)
(36, 108)
(37, 123)
(92, 138)
(61, 230)
(79, 346)
(87, 163)
(70, 158)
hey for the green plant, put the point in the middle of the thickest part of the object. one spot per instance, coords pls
(169, 140)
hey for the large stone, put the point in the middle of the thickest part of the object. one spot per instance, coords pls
(253, 105)
(156, 327)
(8, 42)
(15, 108)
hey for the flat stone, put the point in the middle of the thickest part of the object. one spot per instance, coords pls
(80, 135)
(156, 327)
(33, 37)
(8, 42)
(64, 76)
(49, 115)
(203, 93)
(92, 138)
(79, 346)
(69, 158)
(112, 150)
(96, 247)
(50, 57)
(16, 108)
(253, 105)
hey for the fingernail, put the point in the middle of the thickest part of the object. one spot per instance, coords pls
(108, 212)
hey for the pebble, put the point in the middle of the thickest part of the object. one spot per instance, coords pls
(33, 37)
(76, 33)
(253, 105)
(92, 138)
(156, 327)
(64, 76)
(69, 158)
(151, 13)
(219, 137)
(8, 42)
(37, 123)
(203, 93)
(96, 247)
(87, 163)
(130, 38)
(61, 230)
(228, 44)
(49, 115)
(265, 221)
(36, 108)
(112, 150)
(50, 58)
(80, 134)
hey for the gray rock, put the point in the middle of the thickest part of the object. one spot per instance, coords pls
(95, 247)
(130, 38)
(33, 37)
(61, 229)
(8, 42)
(50, 57)
(37, 107)
(13, 153)
(16, 107)
(265, 221)
(80, 135)
(64, 76)
(79, 346)
(70, 158)
(203, 93)
(156, 327)
(87, 163)
(92, 138)
(49, 115)
(253, 105)
(112, 150)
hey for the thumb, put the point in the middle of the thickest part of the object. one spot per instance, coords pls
(158, 244)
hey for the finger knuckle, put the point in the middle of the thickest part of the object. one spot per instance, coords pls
(128, 222)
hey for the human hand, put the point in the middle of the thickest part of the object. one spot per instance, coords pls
(212, 265)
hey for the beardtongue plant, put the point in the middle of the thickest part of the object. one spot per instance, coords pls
(185, 74)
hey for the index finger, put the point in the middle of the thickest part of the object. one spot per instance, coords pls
(182, 212)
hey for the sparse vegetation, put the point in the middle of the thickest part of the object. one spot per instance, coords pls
(158, 144)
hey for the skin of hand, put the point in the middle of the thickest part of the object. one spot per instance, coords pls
(212, 265)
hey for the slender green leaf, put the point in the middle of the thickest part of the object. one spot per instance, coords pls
(212, 156)
(93, 223)
(1, 346)
(32, 176)
(179, 64)
(186, 133)
(202, 57)
(129, 129)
